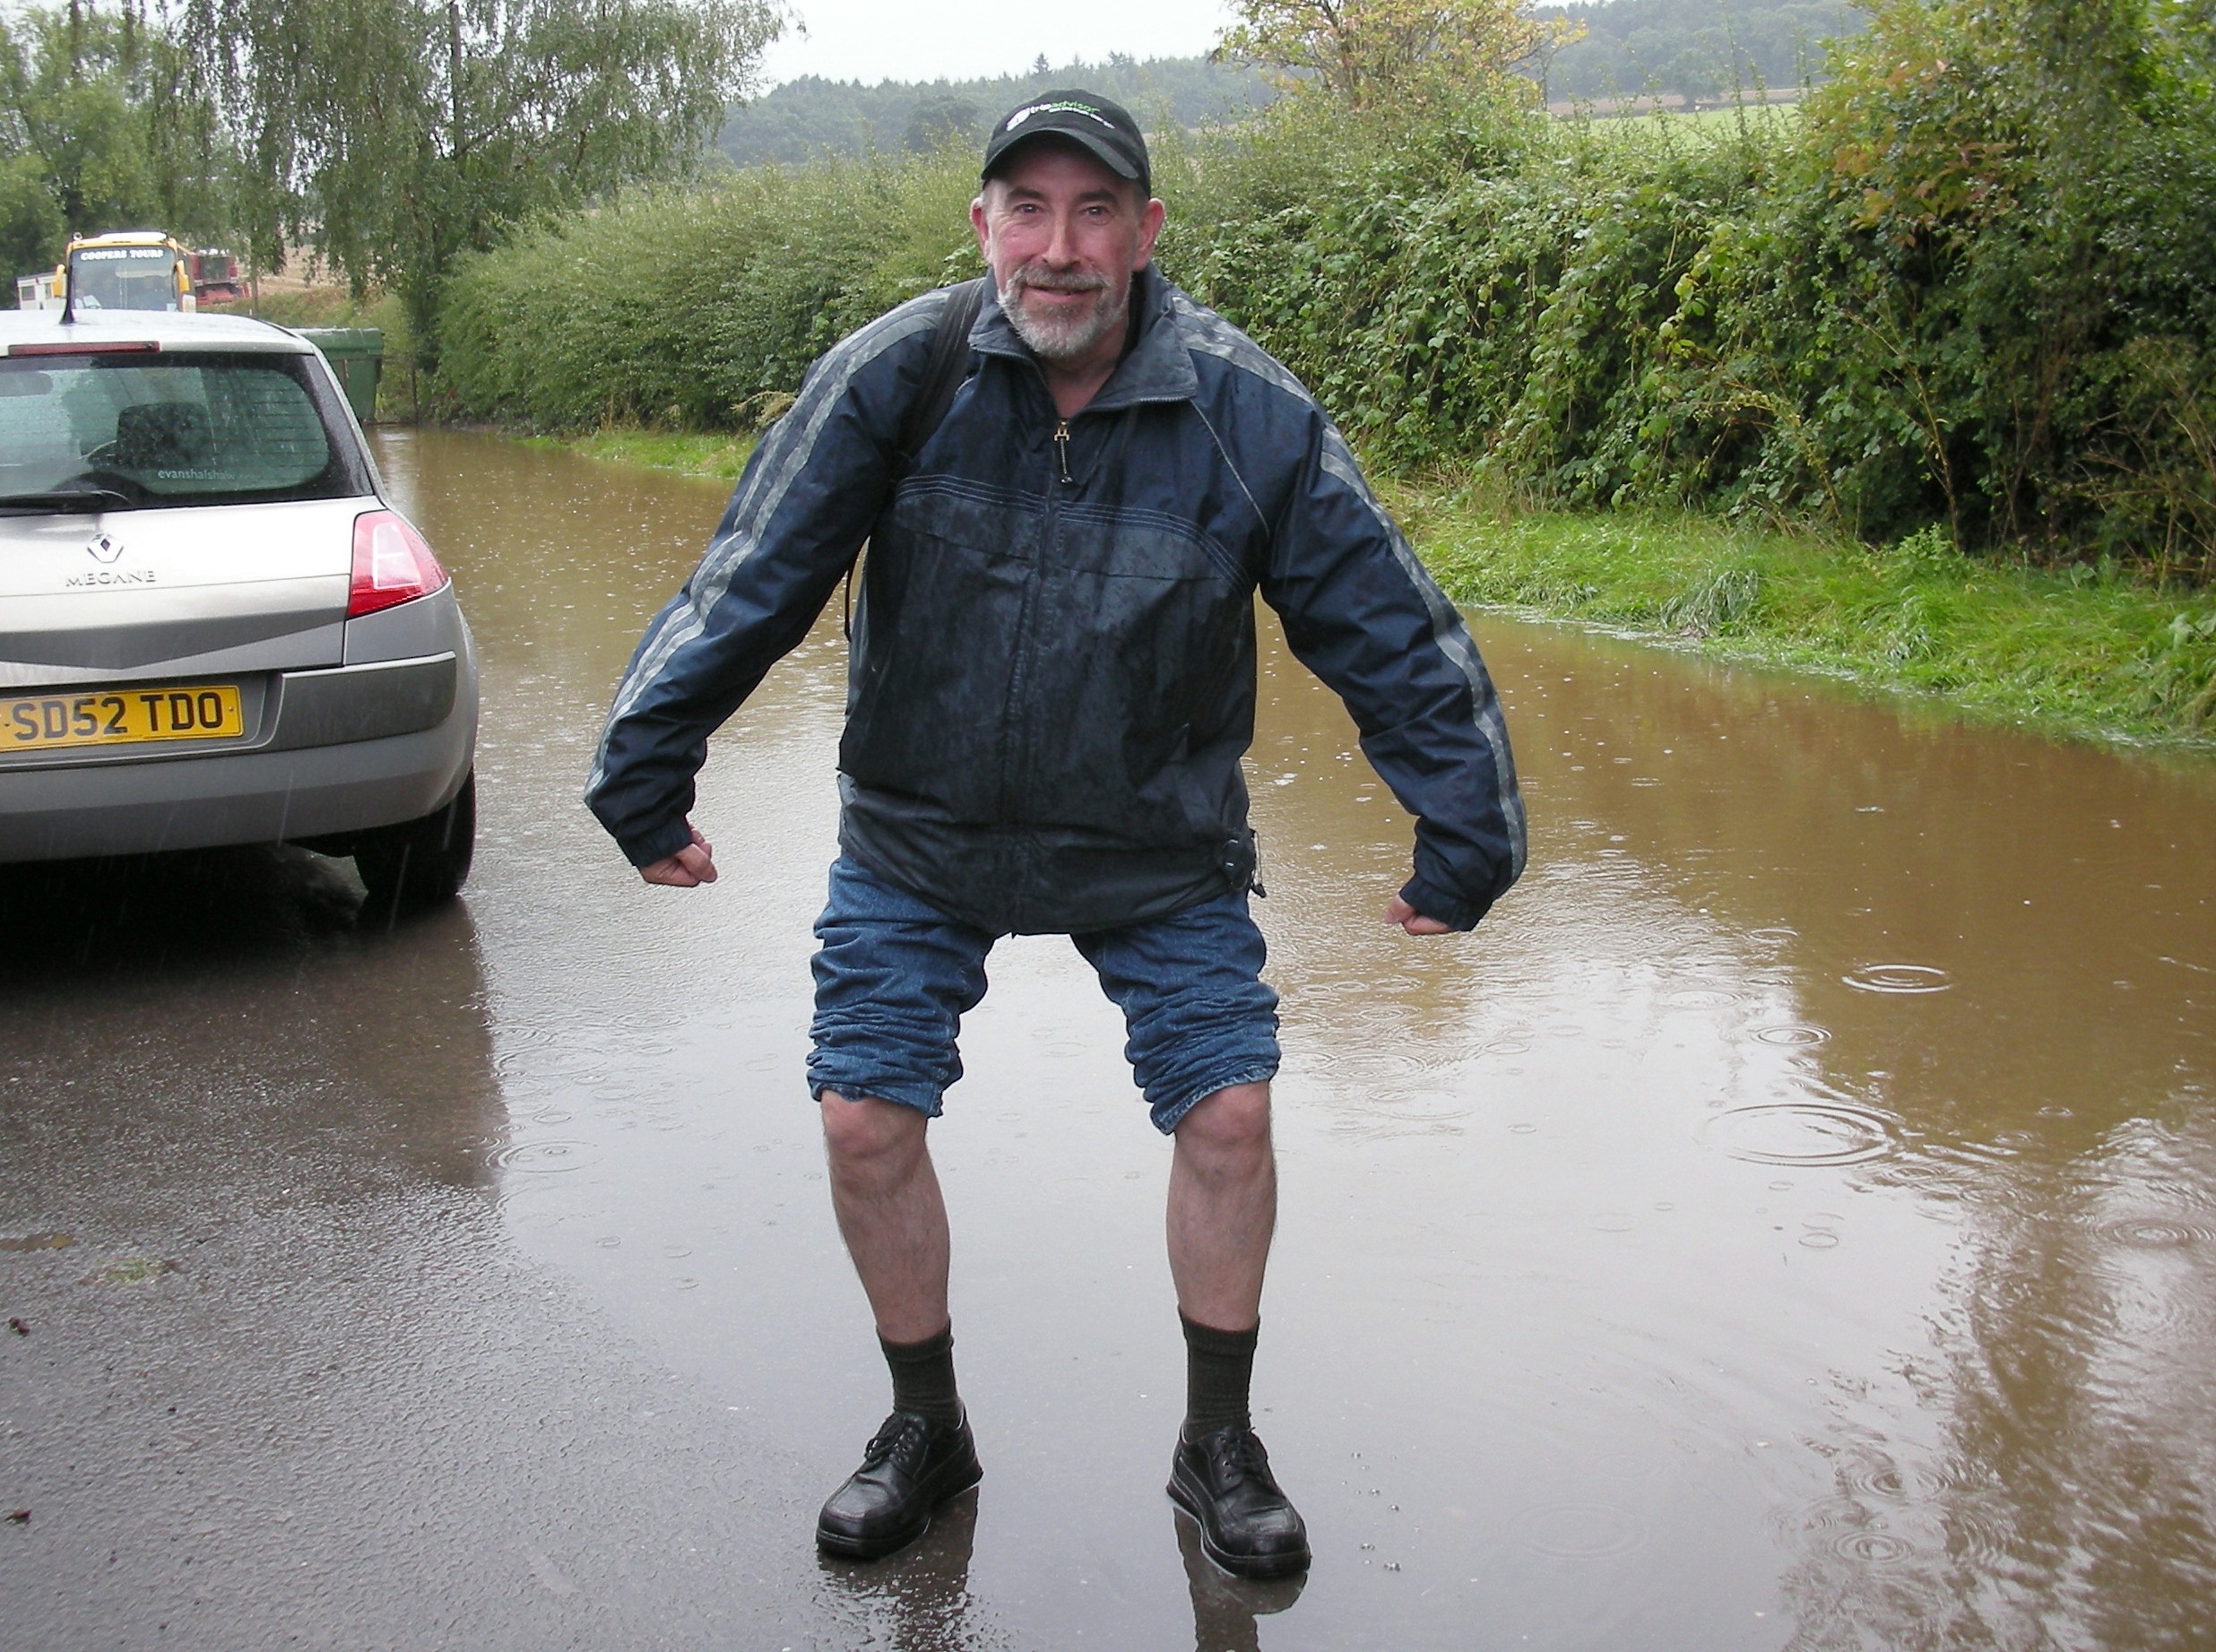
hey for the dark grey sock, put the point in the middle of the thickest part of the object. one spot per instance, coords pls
(924, 1377)
(1220, 1370)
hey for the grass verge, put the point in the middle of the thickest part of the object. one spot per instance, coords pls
(720, 455)
(2078, 653)
(2081, 653)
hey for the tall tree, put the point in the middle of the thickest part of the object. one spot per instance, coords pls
(31, 227)
(68, 121)
(391, 137)
(1376, 54)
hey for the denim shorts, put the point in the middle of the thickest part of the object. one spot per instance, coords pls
(894, 975)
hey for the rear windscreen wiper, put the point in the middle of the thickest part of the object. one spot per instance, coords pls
(67, 500)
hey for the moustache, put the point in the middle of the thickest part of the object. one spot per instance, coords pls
(1046, 280)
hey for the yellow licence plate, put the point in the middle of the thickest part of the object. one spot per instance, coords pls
(133, 716)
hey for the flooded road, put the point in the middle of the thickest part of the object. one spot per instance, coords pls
(1788, 1222)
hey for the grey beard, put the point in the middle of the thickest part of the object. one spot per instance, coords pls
(1064, 338)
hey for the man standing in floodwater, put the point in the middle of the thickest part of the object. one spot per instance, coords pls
(1050, 688)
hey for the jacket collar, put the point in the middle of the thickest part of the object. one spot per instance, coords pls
(1156, 368)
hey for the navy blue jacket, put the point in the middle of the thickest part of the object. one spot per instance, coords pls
(1051, 681)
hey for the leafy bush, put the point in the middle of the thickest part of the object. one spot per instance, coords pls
(696, 310)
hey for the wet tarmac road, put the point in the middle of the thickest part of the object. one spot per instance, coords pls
(1787, 1223)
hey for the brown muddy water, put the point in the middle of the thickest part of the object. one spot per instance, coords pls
(1788, 1222)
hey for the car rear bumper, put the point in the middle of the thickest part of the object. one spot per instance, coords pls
(328, 762)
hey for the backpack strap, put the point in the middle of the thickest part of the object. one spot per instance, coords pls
(947, 370)
(944, 371)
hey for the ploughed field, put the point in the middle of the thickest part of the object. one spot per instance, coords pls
(1787, 1222)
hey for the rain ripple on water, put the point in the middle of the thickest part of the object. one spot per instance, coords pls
(1701, 998)
(1793, 1037)
(1899, 978)
(1871, 1547)
(1811, 1133)
(1844, 1528)
(544, 1157)
(2156, 1233)
(1583, 1531)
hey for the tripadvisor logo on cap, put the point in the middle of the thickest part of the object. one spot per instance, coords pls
(1028, 110)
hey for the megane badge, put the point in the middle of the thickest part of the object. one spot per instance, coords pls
(103, 549)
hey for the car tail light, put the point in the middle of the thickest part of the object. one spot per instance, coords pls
(109, 347)
(392, 565)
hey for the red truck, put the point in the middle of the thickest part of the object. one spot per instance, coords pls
(215, 275)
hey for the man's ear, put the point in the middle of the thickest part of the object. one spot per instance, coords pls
(977, 221)
(1150, 221)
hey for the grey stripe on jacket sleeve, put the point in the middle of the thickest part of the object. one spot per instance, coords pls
(1450, 635)
(1211, 334)
(787, 449)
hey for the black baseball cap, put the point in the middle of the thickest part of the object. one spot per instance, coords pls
(1104, 128)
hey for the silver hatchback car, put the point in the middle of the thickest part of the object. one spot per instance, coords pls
(214, 628)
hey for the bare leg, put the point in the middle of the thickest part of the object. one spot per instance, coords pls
(1223, 1207)
(886, 1196)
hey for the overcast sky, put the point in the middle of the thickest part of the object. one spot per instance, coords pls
(872, 41)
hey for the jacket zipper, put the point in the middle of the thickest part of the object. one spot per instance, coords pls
(1026, 844)
(1014, 766)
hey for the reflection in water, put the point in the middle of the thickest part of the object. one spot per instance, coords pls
(1999, 955)
(2068, 1500)
(1224, 1607)
(242, 976)
(918, 1600)
(275, 1377)
(137, 915)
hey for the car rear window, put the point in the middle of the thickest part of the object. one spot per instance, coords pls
(152, 431)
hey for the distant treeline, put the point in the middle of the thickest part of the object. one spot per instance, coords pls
(1968, 289)
(1702, 51)
(812, 116)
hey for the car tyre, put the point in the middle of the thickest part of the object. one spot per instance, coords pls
(419, 864)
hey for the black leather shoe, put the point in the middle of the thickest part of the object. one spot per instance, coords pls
(1247, 1525)
(909, 1467)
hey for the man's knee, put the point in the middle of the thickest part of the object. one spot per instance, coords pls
(864, 1135)
(1229, 1122)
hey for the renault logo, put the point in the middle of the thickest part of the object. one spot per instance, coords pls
(103, 549)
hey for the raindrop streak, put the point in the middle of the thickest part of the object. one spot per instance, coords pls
(544, 1155)
(1901, 978)
(1584, 1531)
(1799, 1133)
